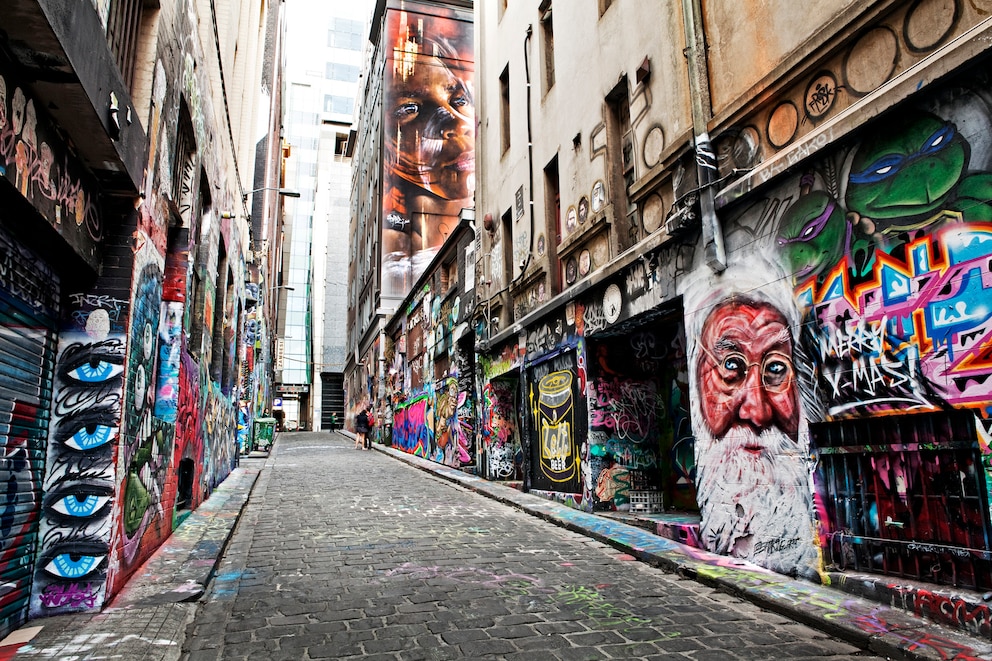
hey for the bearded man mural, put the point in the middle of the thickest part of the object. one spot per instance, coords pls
(752, 460)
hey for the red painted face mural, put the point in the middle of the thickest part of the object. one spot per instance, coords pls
(428, 136)
(745, 371)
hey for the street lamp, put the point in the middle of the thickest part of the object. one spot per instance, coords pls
(285, 192)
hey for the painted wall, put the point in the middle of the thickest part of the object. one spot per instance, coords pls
(857, 289)
(428, 136)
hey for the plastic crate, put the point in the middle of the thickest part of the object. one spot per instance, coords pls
(646, 502)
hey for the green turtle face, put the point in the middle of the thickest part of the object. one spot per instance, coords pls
(907, 170)
(813, 234)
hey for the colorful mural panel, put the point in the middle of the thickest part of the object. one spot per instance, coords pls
(753, 469)
(556, 408)
(857, 289)
(76, 525)
(501, 449)
(429, 137)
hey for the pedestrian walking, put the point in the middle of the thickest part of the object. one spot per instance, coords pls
(362, 428)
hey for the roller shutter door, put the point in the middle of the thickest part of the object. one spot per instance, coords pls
(28, 315)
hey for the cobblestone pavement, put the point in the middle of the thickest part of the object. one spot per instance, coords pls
(345, 553)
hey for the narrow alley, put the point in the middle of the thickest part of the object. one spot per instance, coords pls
(344, 553)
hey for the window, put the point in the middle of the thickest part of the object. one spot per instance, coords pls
(504, 116)
(552, 195)
(507, 240)
(346, 34)
(548, 37)
(340, 144)
(184, 182)
(345, 72)
(620, 150)
(340, 105)
(124, 23)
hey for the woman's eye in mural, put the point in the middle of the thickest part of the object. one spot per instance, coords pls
(90, 437)
(459, 100)
(407, 110)
(95, 371)
(74, 558)
(80, 506)
(90, 429)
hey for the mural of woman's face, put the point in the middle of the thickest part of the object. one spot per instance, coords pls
(431, 124)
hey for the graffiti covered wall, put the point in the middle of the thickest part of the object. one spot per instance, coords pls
(640, 436)
(858, 288)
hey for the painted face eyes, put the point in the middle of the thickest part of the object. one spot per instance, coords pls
(91, 437)
(80, 505)
(775, 370)
(95, 372)
(70, 565)
(407, 110)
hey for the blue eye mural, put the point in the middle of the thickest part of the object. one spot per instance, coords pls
(96, 372)
(68, 565)
(88, 438)
(81, 505)
(75, 527)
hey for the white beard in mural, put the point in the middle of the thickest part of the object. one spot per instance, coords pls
(756, 503)
(752, 462)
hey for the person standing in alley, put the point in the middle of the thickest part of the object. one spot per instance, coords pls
(362, 428)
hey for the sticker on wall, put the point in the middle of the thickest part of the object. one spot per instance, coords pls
(598, 196)
(541, 245)
(571, 270)
(585, 262)
(571, 220)
(583, 209)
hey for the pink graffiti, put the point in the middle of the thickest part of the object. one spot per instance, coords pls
(624, 407)
(69, 594)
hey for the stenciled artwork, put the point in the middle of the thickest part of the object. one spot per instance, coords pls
(555, 404)
(428, 137)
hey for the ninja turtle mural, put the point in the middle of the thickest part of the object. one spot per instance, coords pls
(893, 280)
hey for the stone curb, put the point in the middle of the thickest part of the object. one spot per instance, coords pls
(868, 624)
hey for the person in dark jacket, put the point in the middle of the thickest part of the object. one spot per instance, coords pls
(362, 428)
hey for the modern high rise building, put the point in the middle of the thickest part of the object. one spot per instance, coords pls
(325, 52)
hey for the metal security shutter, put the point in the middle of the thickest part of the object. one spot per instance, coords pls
(28, 314)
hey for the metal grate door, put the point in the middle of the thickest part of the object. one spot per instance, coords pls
(906, 496)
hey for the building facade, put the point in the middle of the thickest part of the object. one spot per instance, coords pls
(413, 172)
(732, 271)
(126, 145)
